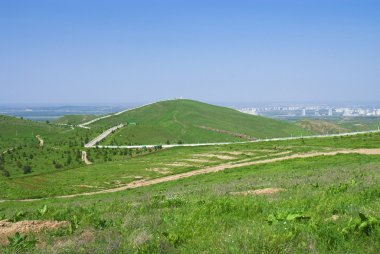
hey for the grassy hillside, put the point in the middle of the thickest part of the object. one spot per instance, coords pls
(15, 131)
(192, 122)
(324, 204)
(321, 126)
(114, 167)
(74, 119)
(22, 154)
(327, 204)
(339, 125)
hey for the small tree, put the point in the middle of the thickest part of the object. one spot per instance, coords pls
(27, 169)
(6, 173)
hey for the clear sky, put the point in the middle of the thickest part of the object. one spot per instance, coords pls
(77, 51)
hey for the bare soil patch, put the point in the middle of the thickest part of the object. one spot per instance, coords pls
(159, 170)
(8, 229)
(234, 134)
(85, 186)
(266, 191)
(85, 159)
(240, 153)
(40, 140)
(211, 155)
(177, 164)
(197, 160)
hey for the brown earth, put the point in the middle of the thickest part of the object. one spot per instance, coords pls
(266, 191)
(8, 229)
(234, 134)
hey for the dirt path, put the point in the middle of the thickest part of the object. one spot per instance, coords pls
(85, 159)
(229, 165)
(40, 140)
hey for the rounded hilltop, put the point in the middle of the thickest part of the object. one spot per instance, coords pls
(190, 121)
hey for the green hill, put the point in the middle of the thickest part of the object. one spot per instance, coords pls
(190, 121)
(20, 147)
(15, 131)
(74, 119)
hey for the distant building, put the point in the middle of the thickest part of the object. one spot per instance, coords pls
(304, 112)
(330, 112)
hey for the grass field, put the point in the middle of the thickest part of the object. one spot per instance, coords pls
(328, 205)
(189, 121)
(324, 204)
(74, 119)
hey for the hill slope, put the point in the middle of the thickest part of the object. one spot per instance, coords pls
(74, 119)
(191, 122)
(38, 147)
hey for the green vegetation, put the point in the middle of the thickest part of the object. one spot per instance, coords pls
(74, 119)
(321, 126)
(329, 205)
(186, 121)
(339, 125)
(323, 204)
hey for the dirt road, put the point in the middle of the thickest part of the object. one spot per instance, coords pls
(229, 165)
(85, 159)
(40, 140)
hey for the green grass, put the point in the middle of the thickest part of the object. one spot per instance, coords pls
(191, 122)
(199, 214)
(123, 169)
(19, 147)
(74, 119)
(196, 214)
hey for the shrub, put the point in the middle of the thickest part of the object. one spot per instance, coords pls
(27, 169)
(6, 173)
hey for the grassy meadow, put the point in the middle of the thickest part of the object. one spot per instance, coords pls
(328, 205)
(322, 204)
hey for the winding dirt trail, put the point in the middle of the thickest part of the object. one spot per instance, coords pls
(40, 140)
(85, 159)
(229, 165)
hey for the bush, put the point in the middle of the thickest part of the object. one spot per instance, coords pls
(27, 169)
(6, 173)
(58, 165)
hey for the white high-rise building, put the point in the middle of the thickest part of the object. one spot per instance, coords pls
(330, 112)
(304, 112)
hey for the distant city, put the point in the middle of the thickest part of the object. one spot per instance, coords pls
(312, 111)
(44, 113)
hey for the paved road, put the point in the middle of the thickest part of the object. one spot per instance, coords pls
(102, 136)
(244, 142)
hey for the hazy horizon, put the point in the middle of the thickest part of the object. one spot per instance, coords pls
(114, 52)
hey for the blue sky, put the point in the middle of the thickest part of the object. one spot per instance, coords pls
(78, 51)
